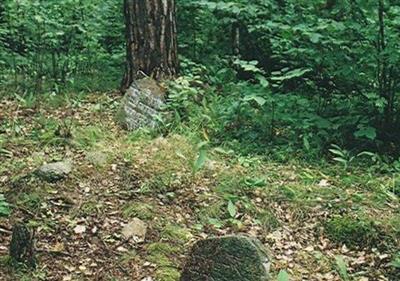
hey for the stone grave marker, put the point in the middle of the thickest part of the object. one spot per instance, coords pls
(229, 258)
(141, 104)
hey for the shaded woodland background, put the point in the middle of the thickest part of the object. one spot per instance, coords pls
(300, 75)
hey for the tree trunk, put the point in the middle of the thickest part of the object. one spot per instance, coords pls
(151, 40)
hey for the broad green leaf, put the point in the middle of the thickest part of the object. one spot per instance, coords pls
(315, 37)
(200, 161)
(232, 209)
(342, 268)
(259, 100)
(296, 73)
(367, 132)
(4, 207)
(283, 276)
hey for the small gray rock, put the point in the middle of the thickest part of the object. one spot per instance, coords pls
(56, 171)
(135, 229)
(229, 258)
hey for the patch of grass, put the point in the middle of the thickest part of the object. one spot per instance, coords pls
(30, 276)
(396, 187)
(167, 274)
(98, 158)
(87, 137)
(49, 131)
(353, 231)
(164, 183)
(161, 253)
(140, 210)
(165, 164)
(176, 233)
(47, 225)
(126, 258)
(268, 221)
(215, 210)
(88, 208)
(30, 201)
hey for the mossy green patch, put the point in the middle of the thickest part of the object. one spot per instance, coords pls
(268, 221)
(230, 258)
(140, 210)
(89, 136)
(353, 231)
(31, 201)
(161, 253)
(176, 233)
(167, 274)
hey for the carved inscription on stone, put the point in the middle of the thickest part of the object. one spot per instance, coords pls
(142, 104)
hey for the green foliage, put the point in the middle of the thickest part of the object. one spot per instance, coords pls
(51, 45)
(396, 261)
(141, 210)
(201, 159)
(299, 73)
(4, 206)
(87, 137)
(353, 232)
(283, 276)
(342, 268)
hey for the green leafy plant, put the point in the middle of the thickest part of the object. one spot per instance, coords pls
(342, 268)
(232, 209)
(342, 155)
(283, 276)
(201, 158)
(4, 206)
(396, 261)
(352, 231)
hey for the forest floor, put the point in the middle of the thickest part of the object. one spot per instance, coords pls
(318, 220)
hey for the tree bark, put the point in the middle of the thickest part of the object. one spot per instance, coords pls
(22, 246)
(151, 40)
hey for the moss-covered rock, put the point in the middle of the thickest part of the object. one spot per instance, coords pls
(54, 171)
(229, 258)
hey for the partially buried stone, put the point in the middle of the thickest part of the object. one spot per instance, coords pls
(229, 258)
(53, 172)
(22, 246)
(141, 104)
(135, 229)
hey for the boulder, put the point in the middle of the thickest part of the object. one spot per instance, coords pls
(229, 258)
(56, 171)
(141, 104)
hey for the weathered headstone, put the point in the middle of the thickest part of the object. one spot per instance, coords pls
(229, 258)
(142, 104)
(53, 172)
(22, 246)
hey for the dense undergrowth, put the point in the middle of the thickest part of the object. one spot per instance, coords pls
(308, 212)
(300, 75)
